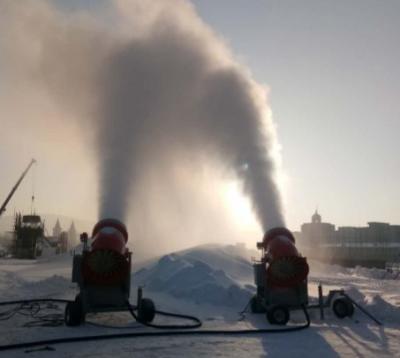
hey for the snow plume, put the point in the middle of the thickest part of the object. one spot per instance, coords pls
(176, 89)
(161, 98)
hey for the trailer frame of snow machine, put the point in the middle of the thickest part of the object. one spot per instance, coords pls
(342, 307)
(277, 303)
(281, 277)
(339, 301)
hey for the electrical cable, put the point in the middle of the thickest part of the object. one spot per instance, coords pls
(167, 333)
(32, 308)
(33, 300)
(101, 325)
(197, 321)
(6, 315)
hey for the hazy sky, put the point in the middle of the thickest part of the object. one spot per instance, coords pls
(334, 78)
(333, 72)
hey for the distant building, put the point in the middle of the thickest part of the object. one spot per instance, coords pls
(317, 230)
(63, 240)
(72, 235)
(62, 246)
(374, 245)
(57, 229)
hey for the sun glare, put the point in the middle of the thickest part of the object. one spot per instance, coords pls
(239, 206)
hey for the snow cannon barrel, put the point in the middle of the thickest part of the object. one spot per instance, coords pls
(108, 260)
(285, 265)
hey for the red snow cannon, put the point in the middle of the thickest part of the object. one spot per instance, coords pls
(285, 267)
(107, 262)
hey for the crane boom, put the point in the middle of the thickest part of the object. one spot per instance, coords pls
(15, 187)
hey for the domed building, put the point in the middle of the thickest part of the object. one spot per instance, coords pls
(317, 232)
(316, 218)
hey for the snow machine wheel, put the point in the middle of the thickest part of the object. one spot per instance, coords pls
(255, 305)
(278, 315)
(343, 307)
(74, 315)
(146, 310)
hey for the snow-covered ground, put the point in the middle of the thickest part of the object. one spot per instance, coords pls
(213, 283)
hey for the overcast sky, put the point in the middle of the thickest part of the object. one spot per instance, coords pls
(332, 68)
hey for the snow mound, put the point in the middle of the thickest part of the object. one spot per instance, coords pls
(13, 286)
(232, 259)
(382, 309)
(319, 268)
(202, 275)
(376, 305)
(358, 271)
(52, 285)
(373, 273)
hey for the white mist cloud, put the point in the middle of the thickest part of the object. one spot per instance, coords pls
(161, 104)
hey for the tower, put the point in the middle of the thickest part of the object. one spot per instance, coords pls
(316, 218)
(72, 235)
(57, 229)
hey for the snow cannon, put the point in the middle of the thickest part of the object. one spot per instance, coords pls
(102, 271)
(285, 266)
(280, 276)
(108, 260)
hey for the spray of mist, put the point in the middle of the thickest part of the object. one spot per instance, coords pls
(159, 96)
(176, 89)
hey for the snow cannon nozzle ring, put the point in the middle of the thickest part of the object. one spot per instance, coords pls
(113, 223)
(277, 231)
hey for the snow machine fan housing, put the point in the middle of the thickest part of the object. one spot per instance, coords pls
(107, 263)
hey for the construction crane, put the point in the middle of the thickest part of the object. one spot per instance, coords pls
(10, 195)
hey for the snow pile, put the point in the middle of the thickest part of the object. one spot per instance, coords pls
(209, 282)
(373, 273)
(13, 286)
(382, 309)
(206, 274)
(53, 285)
(317, 268)
(234, 260)
(376, 305)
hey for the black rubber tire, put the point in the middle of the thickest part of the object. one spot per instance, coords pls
(278, 315)
(146, 310)
(73, 314)
(256, 306)
(342, 307)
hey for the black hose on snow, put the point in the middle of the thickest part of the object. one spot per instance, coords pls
(170, 332)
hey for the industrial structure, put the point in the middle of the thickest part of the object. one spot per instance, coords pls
(30, 241)
(29, 235)
(371, 246)
(15, 187)
(28, 229)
